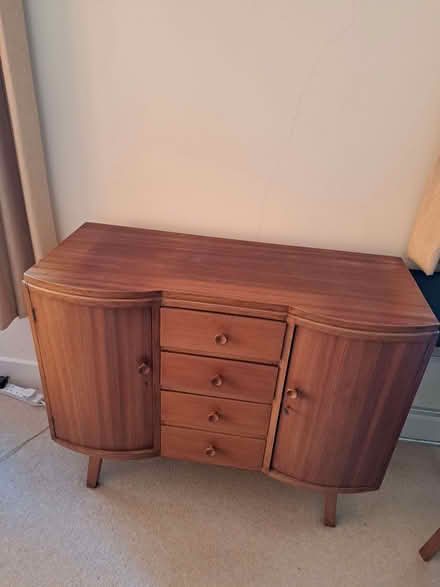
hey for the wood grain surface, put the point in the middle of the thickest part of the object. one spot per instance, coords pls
(310, 358)
(226, 336)
(90, 357)
(344, 405)
(431, 547)
(211, 448)
(356, 290)
(218, 377)
(227, 416)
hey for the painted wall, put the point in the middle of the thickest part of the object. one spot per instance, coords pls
(19, 341)
(17, 355)
(295, 121)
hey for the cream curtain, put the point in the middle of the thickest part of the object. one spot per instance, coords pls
(16, 252)
(424, 243)
(27, 230)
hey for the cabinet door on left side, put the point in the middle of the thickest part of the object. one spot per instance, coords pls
(90, 355)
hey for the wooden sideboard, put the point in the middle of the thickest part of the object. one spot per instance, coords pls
(297, 362)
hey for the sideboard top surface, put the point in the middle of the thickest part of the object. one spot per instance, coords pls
(355, 290)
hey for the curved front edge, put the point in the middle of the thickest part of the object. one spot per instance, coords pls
(319, 488)
(345, 399)
(99, 366)
(120, 455)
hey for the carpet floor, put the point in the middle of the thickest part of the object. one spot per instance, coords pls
(167, 523)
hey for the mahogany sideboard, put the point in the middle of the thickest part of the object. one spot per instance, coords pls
(297, 362)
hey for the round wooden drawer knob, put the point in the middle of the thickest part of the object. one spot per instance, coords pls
(214, 417)
(217, 380)
(144, 368)
(210, 451)
(221, 339)
(292, 393)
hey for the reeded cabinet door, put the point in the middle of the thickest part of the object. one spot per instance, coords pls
(344, 405)
(90, 353)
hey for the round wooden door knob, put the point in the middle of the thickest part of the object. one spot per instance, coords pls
(217, 380)
(213, 417)
(221, 339)
(144, 368)
(292, 393)
(210, 451)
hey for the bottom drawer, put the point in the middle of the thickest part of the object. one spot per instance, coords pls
(212, 447)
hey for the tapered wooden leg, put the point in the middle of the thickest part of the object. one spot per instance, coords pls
(430, 548)
(93, 471)
(330, 509)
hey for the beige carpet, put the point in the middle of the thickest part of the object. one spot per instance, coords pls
(168, 523)
(18, 423)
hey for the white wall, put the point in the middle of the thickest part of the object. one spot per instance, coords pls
(19, 341)
(17, 355)
(294, 121)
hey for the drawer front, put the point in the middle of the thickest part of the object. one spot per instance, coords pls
(212, 447)
(221, 334)
(219, 415)
(218, 377)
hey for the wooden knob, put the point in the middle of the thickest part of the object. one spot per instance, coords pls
(292, 393)
(214, 417)
(221, 339)
(144, 368)
(286, 410)
(217, 380)
(210, 451)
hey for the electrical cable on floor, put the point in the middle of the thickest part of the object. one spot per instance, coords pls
(20, 446)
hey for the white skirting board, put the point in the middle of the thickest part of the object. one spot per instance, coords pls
(423, 422)
(21, 372)
(422, 426)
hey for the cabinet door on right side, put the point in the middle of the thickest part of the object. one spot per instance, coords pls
(345, 402)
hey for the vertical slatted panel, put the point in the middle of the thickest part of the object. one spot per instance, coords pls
(353, 398)
(90, 356)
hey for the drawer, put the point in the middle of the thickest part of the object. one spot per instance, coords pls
(218, 377)
(221, 334)
(212, 447)
(228, 416)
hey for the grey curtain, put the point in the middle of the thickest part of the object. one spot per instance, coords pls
(16, 251)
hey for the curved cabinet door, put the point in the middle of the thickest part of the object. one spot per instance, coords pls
(90, 352)
(349, 398)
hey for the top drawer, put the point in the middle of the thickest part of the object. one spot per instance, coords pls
(221, 334)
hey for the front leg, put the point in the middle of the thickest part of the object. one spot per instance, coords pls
(330, 509)
(93, 471)
(430, 548)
